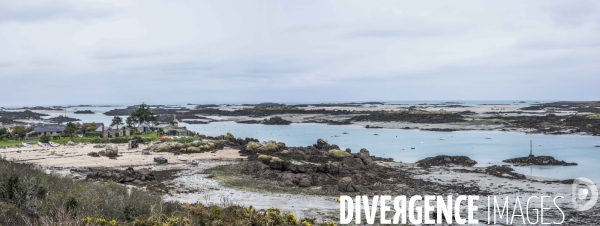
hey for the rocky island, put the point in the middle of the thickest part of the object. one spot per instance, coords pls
(539, 160)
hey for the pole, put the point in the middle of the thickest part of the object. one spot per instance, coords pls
(530, 144)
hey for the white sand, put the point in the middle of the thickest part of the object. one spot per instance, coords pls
(76, 156)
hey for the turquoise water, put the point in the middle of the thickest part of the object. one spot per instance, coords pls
(397, 144)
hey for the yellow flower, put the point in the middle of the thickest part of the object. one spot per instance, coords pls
(291, 218)
(305, 223)
(112, 223)
(87, 220)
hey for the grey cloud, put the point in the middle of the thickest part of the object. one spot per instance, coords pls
(550, 42)
(571, 14)
(26, 11)
(294, 51)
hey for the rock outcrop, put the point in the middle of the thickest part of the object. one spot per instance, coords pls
(445, 160)
(503, 171)
(321, 164)
(112, 150)
(271, 121)
(539, 160)
(126, 176)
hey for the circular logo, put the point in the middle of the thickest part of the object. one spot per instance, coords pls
(582, 187)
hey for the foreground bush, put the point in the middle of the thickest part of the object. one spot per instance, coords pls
(30, 197)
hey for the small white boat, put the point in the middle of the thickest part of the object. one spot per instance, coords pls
(443, 139)
(41, 144)
(181, 158)
(26, 145)
(195, 162)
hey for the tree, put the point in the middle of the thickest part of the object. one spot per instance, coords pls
(4, 133)
(70, 129)
(141, 115)
(89, 127)
(20, 131)
(116, 121)
(45, 139)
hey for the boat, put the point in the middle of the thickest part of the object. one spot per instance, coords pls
(336, 135)
(181, 158)
(195, 162)
(412, 148)
(41, 144)
(442, 138)
(54, 144)
(26, 145)
(376, 134)
(488, 138)
(345, 133)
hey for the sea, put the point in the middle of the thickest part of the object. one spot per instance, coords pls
(485, 147)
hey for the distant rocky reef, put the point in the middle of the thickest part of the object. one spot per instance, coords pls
(271, 121)
(84, 112)
(539, 160)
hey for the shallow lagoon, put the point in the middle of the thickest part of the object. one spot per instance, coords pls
(397, 144)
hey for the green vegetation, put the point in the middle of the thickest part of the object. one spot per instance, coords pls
(267, 146)
(4, 133)
(339, 153)
(28, 196)
(20, 131)
(593, 116)
(116, 121)
(70, 130)
(140, 115)
(86, 140)
(45, 138)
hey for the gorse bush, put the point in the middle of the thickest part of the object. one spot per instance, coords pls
(265, 146)
(338, 153)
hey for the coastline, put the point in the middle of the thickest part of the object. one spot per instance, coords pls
(189, 183)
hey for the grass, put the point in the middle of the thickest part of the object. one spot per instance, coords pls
(64, 140)
(12, 143)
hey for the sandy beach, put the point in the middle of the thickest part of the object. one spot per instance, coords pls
(193, 184)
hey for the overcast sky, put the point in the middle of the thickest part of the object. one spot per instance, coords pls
(103, 52)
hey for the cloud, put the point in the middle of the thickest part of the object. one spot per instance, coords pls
(290, 51)
(552, 42)
(572, 14)
(33, 11)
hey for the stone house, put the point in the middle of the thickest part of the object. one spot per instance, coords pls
(176, 131)
(52, 130)
(144, 128)
(113, 132)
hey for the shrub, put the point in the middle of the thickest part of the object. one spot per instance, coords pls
(276, 160)
(253, 146)
(286, 152)
(265, 157)
(118, 140)
(339, 153)
(45, 138)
